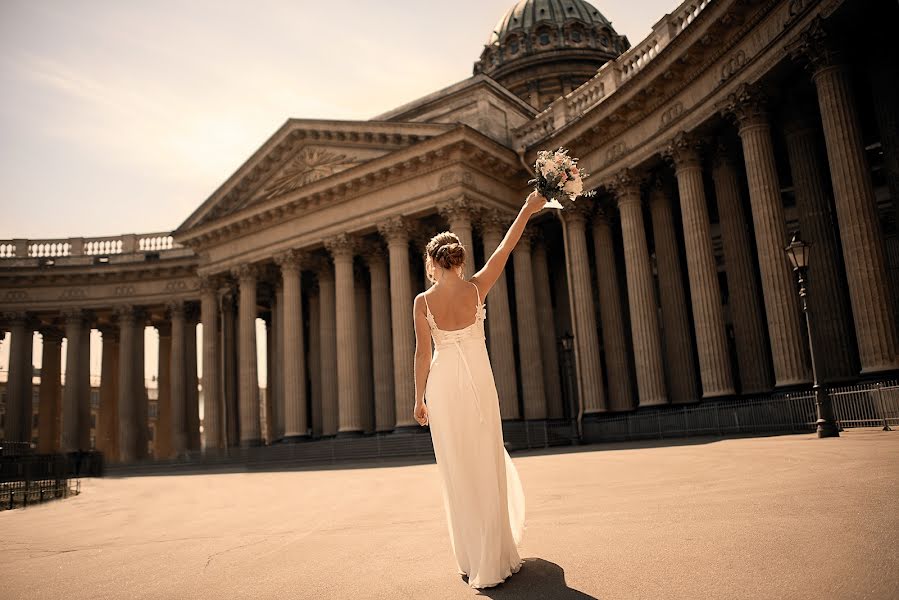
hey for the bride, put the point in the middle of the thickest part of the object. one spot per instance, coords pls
(482, 494)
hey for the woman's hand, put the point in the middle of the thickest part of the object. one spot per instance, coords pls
(421, 413)
(535, 201)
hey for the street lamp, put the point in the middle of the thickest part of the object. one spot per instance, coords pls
(798, 252)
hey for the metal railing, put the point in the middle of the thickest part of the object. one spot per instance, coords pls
(15, 494)
(864, 405)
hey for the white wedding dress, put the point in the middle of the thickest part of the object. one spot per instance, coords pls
(482, 493)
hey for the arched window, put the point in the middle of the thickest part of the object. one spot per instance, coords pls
(543, 37)
(576, 36)
(513, 46)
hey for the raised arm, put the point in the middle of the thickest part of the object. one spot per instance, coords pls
(493, 268)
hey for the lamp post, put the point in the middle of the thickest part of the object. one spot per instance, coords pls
(798, 252)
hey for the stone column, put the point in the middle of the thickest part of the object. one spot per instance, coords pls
(108, 422)
(829, 310)
(884, 74)
(74, 320)
(459, 213)
(213, 406)
(788, 348)
(267, 408)
(705, 292)
(315, 362)
(530, 359)
(621, 393)
(499, 321)
(641, 295)
(364, 353)
(747, 315)
(342, 248)
(396, 232)
(18, 387)
(84, 391)
(141, 418)
(162, 444)
(583, 308)
(676, 337)
(230, 399)
(50, 393)
(328, 334)
(192, 392)
(381, 339)
(547, 329)
(175, 419)
(250, 425)
(294, 372)
(126, 384)
(278, 405)
(856, 206)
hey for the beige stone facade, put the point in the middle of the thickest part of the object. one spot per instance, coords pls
(672, 280)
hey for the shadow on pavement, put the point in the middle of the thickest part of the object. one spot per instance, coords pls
(537, 578)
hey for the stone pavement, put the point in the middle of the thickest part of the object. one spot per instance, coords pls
(702, 518)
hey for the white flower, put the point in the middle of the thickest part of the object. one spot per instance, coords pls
(573, 186)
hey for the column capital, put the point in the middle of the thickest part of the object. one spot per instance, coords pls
(604, 215)
(124, 313)
(575, 211)
(724, 155)
(493, 221)
(528, 236)
(322, 267)
(684, 151)
(341, 246)
(292, 258)
(15, 317)
(460, 207)
(51, 335)
(373, 252)
(746, 106)
(659, 190)
(209, 284)
(395, 230)
(246, 272)
(175, 308)
(73, 315)
(109, 333)
(815, 49)
(626, 186)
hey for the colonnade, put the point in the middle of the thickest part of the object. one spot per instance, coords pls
(121, 429)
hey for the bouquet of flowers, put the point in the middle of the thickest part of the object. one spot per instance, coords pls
(558, 176)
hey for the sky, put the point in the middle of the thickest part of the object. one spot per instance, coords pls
(119, 116)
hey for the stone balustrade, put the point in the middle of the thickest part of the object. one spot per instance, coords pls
(93, 247)
(610, 76)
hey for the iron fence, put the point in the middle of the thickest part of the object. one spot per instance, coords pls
(864, 405)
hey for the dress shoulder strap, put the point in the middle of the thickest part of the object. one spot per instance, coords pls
(428, 308)
(478, 290)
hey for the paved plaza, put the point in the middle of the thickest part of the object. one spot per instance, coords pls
(766, 517)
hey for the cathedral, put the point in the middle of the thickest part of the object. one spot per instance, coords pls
(731, 126)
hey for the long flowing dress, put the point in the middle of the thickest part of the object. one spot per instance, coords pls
(482, 493)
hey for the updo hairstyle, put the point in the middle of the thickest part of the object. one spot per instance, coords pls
(445, 250)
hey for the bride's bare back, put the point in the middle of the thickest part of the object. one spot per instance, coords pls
(453, 304)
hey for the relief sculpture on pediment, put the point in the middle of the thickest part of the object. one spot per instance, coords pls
(309, 165)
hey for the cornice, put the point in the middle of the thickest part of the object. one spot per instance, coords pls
(377, 134)
(462, 144)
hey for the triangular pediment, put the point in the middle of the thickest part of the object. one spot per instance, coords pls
(302, 153)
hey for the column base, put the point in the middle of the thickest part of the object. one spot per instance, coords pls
(252, 443)
(410, 429)
(349, 434)
(662, 402)
(295, 439)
